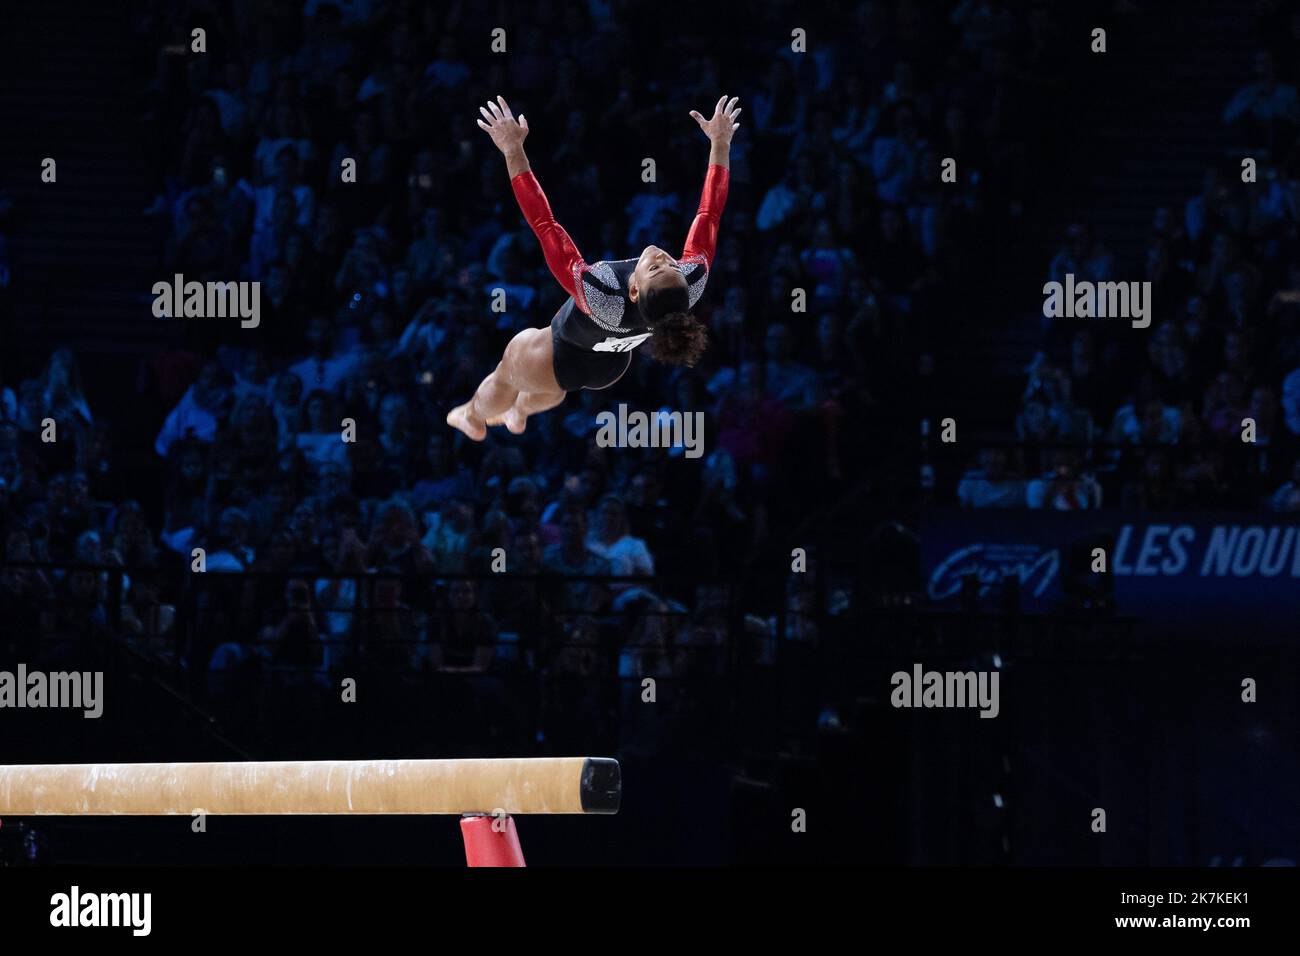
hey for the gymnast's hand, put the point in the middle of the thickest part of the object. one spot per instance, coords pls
(722, 125)
(507, 132)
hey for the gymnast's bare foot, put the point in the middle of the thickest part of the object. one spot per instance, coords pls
(514, 420)
(459, 419)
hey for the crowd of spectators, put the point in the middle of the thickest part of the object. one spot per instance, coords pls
(1202, 408)
(376, 310)
(345, 527)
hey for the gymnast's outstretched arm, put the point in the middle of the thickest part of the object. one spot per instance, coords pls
(702, 239)
(562, 256)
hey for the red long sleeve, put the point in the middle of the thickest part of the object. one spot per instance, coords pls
(562, 256)
(702, 240)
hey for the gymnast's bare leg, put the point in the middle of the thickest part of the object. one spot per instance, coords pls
(522, 384)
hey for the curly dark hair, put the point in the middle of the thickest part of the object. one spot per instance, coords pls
(679, 338)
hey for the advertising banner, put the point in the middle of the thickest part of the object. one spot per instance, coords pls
(1207, 570)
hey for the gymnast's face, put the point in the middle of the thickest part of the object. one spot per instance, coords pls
(655, 269)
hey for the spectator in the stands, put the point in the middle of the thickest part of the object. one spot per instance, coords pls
(323, 369)
(1082, 256)
(1267, 110)
(990, 484)
(319, 434)
(573, 556)
(200, 410)
(1287, 497)
(1064, 486)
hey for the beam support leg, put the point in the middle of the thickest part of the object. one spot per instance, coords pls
(491, 840)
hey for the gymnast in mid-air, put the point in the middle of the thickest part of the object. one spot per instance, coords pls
(613, 307)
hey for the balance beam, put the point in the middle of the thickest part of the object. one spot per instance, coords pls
(299, 787)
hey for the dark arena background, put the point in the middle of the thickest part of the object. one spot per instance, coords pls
(912, 455)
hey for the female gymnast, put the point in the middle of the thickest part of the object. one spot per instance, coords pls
(613, 307)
